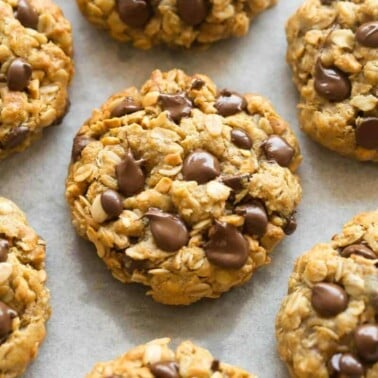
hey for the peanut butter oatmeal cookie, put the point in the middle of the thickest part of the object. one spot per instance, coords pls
(182, 187)
(24, 300)
(333, 51)
(328, 323)
(174, 22)
(35, 70)
(156, 360)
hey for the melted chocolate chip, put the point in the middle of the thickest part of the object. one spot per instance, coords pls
(135, 13)
(200, 166)
(79, 143)
(329, 299)
(255, 218)
(192, 12)
(4, 249)
(291, 226)
(277, 149)
(27, 15)
(241, 139)
(169, 231)
(168, 369)
(367, 34)
(331, 83)
(366, 340)
(230, 103)
(227, 247)
(177, 105)
(6, 316)
(127, 106)
(197, 84)
(112, 204)
(130, 176)
(15, 137)
(358, 249)
(18, 75)
(367, 133)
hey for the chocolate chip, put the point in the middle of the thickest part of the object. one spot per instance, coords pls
(241, 139)
(227, 247)
(234, 182)
(230, 103)
(15, 137)
(367, 133)
(193, 12)
(277, 149)
(6, 316)
(350, 366)
(358, 249)
(19, 74)
(200, 166)
(177, 105)
(79, 143)
(329, 299)
(327, 2)
(4, 249)
(197, 84)
(291, 226)
(255, 218)
(331, 83)
(169, 231)
(367, 34)
(215, 365)
(127, 106)
(366, 339)
(112, 204)
(27, 15)
(135, 13)
(168, 369)
(130, 176)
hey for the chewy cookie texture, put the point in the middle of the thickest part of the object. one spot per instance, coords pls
(328, 323)
(156, 360)
(35, 70)
(24, 300)
(182, 187)
(333, 51)
(174, 22)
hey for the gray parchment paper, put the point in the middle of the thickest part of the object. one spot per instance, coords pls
(97, 318)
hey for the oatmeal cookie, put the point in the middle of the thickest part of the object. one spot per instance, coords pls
(182, 187)
(174, 22)
(24, 300)
(156, 359)
(333, 51)
(35, 70)
(328, 323)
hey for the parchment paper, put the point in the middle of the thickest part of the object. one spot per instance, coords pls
(97, 318)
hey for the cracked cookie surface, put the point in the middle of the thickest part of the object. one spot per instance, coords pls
(24, 300)
(182, 187)
(174, 22)
(333, 52)
(35, 70)
(156, 359)
(328, 323)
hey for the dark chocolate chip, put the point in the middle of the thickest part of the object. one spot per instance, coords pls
(227, 247)
(331, 83)
(19, 74)
(197, 84)
(367, 34)
(200, 166)
(366, 340)
(127, 106)
(334, 363)
(130, 176)
(27, 15)
(230, 103)
(255, 218)
(358, 249)
(6, 316)
(327, 2)
(112, 204)
(177, 105)
(329, 299)
(135, 13)
(169, 231)
(234, 182)
(16, 137)
(291, 226)
(241, 139)
(367, 133)
(277, 149)
(79, 143)
(168, 369)
(193, 12)
(215, 365)
(351, 366)
(4, 249)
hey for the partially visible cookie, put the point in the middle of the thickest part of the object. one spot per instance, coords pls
(24, 300)
(333, 51)
(174, 22)
(156, 360)
(35, 70)
(328, 323)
